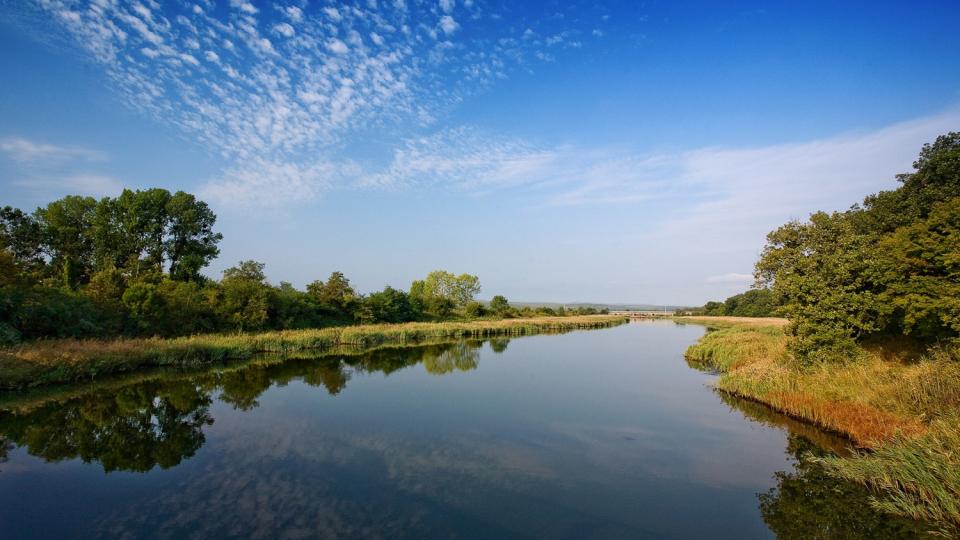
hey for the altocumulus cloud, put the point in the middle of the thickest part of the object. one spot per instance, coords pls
(279, 87)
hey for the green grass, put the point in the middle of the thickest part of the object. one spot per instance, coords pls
(902, 412)
(64, 361)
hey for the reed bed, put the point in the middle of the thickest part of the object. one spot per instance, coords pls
(901, 413)
(62, 361)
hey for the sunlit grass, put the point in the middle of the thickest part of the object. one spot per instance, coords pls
(57, 361)
(903, 412)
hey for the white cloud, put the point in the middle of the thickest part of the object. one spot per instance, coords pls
(731, 278)
(464, 158)
(337, 46)
(716, 190)
(24, 150)
(292, 99)
(244, 6)
(448, 25)
(294, 13)
(284, 29)
(333, 13)
(94, 185)
(271, 183)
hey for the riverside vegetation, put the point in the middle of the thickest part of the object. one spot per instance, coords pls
(57, 361)
(871, 349)
(88, 287)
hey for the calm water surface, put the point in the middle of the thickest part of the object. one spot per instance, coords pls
(594, 434)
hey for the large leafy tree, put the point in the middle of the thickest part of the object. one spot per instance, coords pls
(67, 226)
(22, 237)
(441, 291)
(244, 296)
(888, 267)
(190, 243)
(919, 269)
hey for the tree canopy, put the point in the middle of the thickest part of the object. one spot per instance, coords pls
(888, 267)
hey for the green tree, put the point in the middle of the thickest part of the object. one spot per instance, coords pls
(336, 291)
(919, 268)
(191, 243)
(714, 309)
(67, 231)
(500, 305)
(22, 237)
(243, 300)
(884, 268)
(143, 216)
(389, 305)
(441, 291)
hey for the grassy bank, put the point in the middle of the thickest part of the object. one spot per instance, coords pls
(59, 361)
(901, 412)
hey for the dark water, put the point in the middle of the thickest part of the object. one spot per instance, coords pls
(596, 434)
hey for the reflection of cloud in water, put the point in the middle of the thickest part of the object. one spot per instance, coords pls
(334, 485)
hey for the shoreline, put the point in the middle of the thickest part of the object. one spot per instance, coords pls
(65, 361)
(900, 414)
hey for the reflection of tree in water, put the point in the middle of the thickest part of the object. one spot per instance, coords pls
(462, 356)
(499, 345)
(159, 422)
(5, 448)
(135, 428)
(330, 376)
(808, 503)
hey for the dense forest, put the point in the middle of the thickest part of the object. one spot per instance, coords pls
(131, 266)
(887, 269)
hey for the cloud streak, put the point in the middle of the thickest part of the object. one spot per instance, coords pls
(24, 150)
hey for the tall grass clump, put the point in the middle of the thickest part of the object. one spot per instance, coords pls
(727, 348)
(913, 477)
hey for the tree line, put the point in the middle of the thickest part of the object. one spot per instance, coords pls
(887, 268)
(131, 266)
(752, 303)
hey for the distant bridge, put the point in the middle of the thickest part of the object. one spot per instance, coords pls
(645, 314)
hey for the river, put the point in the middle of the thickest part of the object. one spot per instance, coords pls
(588, 434)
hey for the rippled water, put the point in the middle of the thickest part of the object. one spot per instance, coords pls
(593, 434)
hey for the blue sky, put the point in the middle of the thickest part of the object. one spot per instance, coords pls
(562, 151)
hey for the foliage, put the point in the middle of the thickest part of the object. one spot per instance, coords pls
(500, 305)
(54, 361)
(441, 292)
(886, 268)
(388, 306)
(753, 303)
(130, 266)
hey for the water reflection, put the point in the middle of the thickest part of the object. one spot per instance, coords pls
(807, 502)
(546, 444)
(159, 422)
(134, 428)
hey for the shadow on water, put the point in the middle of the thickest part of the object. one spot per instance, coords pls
(807, 502)
(141, 423)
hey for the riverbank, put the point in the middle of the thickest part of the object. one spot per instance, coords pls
(63, 361)
(901, 412)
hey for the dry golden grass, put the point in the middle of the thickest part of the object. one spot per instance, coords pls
(902, 409)
(730, 321)
(56, 361)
